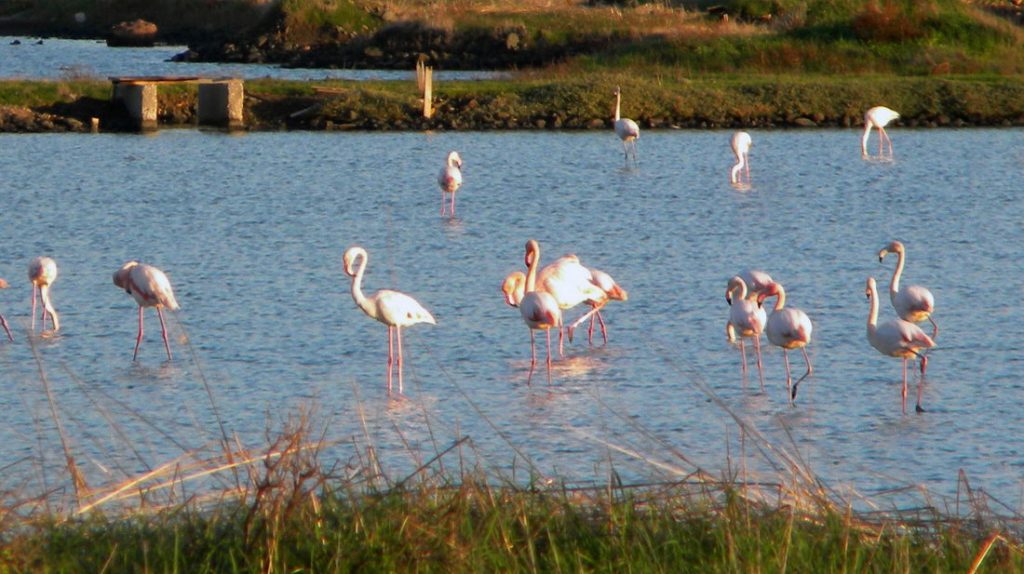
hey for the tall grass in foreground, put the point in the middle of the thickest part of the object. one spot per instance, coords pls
(290, 513)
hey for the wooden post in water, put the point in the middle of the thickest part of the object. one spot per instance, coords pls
(419, 76)
(428, 91)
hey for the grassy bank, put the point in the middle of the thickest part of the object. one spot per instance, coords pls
(570, 102)
(287, 512)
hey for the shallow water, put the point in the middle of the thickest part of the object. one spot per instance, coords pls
(251, 229)
(59, 58)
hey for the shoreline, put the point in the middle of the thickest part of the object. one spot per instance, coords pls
(526, 103)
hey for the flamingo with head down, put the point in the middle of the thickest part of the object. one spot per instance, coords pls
(877, 117)
(149, 287)
(741, 143)
(42, 272)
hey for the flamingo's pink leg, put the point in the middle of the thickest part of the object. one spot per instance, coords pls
(138, 339)
(6, 328)
(391, 355)
(163, 329)
(398, 334)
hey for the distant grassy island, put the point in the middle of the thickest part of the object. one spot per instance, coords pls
(739, 63)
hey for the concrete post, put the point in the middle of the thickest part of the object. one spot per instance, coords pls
(140, 101)
(221, 103)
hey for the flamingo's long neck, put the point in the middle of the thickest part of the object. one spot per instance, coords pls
(357, 285)
(781, 301)
(618, 104)
(738, 289)
(894, 286)
(864, 138)
(873, 313)
(531, 276)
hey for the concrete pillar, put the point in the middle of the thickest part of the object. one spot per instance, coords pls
(221, 103)
(140, 101)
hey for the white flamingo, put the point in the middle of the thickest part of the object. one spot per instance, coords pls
(625, 128)
(3, 321)
(741, 143)
(788, 328)
(149, 287)
(913, 303)
(877, 117)
(747, 318)
(450, 179)
(42, 272)
(897, 338)
(612, 292)
(570, 283)
(393, 308)
(539, 309)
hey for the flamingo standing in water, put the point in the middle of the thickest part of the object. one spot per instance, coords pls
(539, 309)
(570, 283)
(42, 272)
(897, 338)
(913, 303)
(612, 292)
(788, 328)
(149, 287)
(3, 321)
(450, 178)
(741, 143)
(393, 308)
(746, 319)
(625, 128)
(877, 117)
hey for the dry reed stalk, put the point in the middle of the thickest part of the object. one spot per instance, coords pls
(77, 478)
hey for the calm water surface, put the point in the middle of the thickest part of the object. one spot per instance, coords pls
(251, 229)
(58, 58)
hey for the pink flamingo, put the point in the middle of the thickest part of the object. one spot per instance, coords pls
(42, 272)
(393, 308)
(539, 309)
(612, 292)
(3, 321)
(741, 143)
(746, 319)
(450, 178)
(788, 328)
(913, 303)
(897, 338)
(625, 128)
(877, 117)
(149, 287)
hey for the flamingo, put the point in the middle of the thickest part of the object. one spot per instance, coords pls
(514, 288)
(877, 117)
(393, 308)
(913, 303)
(612, 292)
(747, 319)
(625, 128)
(450, 178)
(3, 321)
(539, 309)
(570, 283)
(788, 328)
(741, 143)
(42, 272)
(756, 281)
(897, 338)
(149, 287)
